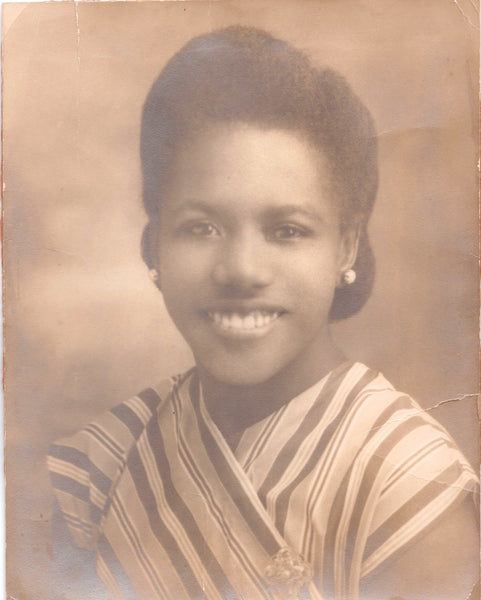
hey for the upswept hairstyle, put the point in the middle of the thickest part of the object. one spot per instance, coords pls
(245, 74)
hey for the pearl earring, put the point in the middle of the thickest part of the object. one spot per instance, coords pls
(349, 276)
(154, 275)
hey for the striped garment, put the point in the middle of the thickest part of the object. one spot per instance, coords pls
(346, 474)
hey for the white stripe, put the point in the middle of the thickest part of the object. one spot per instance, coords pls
(67, 469)
(355, 481)
(249, 490)
(209, 495)
(78, 475)
(105, 443)
(330, 470)
(170, 520)
(139, 407)
(258, 444)
(411, 459)
(417, 523)
(310, 443)
(106, 576)
(132, 540)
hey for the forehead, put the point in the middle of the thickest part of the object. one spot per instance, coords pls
(249, 163)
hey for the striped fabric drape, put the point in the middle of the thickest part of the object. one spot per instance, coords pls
(346, 474)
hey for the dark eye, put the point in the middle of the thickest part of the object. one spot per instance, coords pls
(201, 229)
(288, 232)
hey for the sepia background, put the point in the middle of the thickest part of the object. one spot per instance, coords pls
(85, 328)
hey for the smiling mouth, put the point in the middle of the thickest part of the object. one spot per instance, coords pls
(251, 321)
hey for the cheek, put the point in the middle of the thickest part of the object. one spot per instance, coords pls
(175, 260)
(184, 274)
(317, 268)
(312, 284)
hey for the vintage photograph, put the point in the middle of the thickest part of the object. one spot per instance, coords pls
(241, 299)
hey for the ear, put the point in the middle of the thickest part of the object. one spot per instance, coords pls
(146, 246)
(348, 251)
(148, 255)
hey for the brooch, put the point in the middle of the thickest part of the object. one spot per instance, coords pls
(287, 573)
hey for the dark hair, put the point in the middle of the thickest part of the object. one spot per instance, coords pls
(245, 74)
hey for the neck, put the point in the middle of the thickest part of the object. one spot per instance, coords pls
(236, 407)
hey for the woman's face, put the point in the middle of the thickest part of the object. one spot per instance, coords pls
(250, 252)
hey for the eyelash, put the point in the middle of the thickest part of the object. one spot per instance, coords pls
(294, 232)
(281, 233)
(204, 229)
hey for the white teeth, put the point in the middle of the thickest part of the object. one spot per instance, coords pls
(236, 321)
(249, 322)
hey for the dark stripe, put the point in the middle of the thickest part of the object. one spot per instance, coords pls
(282, 503)
(158, 527)
(78, 491)
(129, 419)
(112, 563)
(229, 480)
(71, 486)
(185, 517)
(410, 463)
(69, 454)
(263, 439)
(413, 506)
(308, 424)
(401, 402)
(127, 416)
(337, 506)
(105, 440)
(114, 449)
(195, 473)
(76, 521)
(422, 531)
(81, 526)
(138, 547)
(82, 461)
(370, 474)
(96, 513)
(151, 399)
(328, 563)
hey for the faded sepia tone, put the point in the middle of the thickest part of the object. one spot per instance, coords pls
(85, 327)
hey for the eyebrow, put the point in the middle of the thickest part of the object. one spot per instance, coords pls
(273, 212)
(192, 205)
(288, 210)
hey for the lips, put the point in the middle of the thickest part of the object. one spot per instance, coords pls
(243, 321)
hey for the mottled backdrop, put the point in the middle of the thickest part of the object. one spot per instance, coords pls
(85, 327)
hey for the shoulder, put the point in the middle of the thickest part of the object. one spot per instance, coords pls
(442, 562)
(393, 415)
(85, 467)
(406, 466)
(403, 444)
(107, 439)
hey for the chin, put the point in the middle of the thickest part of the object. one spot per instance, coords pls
(238, 375)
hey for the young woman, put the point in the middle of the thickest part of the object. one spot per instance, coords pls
(275, 468)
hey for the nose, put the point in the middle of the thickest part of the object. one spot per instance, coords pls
(243, 264)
